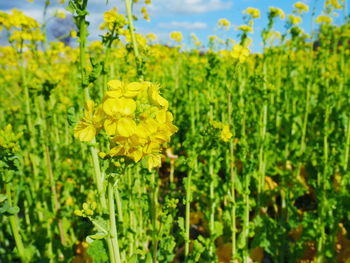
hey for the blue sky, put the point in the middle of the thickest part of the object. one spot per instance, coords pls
(188, 16)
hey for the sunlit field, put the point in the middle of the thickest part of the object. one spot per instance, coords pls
(131, 149)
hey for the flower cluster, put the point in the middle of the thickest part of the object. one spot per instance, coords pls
(177, 36)
(134, 116)
(21, 26)
(253, 12)
(240, 52)
(225, 132)
(224, 23)
(301, 7)
(275, 11)
(112, 20)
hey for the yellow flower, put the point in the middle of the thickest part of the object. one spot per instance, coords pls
(301, 7)
(294, 20)
(145, 13)
(135, 117)
(87, 128)
(225, 134)
(177, 36)
(275, 11)
(324, 19)
(245, 28)
(60, 14)
(154, 160)
(240, 52)
(334, 3)
(151, 37)
(73, 34)
(224, 23)
(253, 12)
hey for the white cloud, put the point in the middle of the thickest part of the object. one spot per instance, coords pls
(184, 25)
(190, 6)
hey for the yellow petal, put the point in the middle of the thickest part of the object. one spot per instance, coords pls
(126, 127)
(161, 116)
(151, 147)
(99, 116)
(135, 154)
(89, 109)
(110, 126)
(84, 131)
(154, 161)
(126, 106)
(117, 151)
(133, 89)
(114, 93)
(110, 106)
(115, 84)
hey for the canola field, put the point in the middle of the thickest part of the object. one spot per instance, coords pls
(127, 150)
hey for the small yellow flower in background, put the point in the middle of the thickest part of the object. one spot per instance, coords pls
(212, 38)
(245, 28)
(301, 7)
(61, 14)
(324, 19)
(73, 34)
(333, 3)
(195, 39)
(148, 2)
(294, 20)
(253, 12)
(225, 133)
(275, 11)
(9, 139)
(30, 1)
(224, 23)
(113, 20)
(240, 52)
(61, 2)
(151, 37)
(145, 13)
(177, 36)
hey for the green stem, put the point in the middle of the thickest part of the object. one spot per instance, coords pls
(14, 227)
(98, 176)
(82, 48)
(128, 7)
(246, 219)
(154, 215)
(232, 181)
(112, 224)
(188, 214)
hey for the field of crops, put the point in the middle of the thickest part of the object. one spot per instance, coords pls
(125, 150)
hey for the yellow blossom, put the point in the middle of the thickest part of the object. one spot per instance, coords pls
(225, 133)
(294, 20)
(301, 7)
(253, 12)
(177, 36)
(275, 11)
(224, 23)
(324, 19)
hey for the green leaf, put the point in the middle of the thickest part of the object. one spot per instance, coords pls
(98, 251)
(2, 198)
(99, 235)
